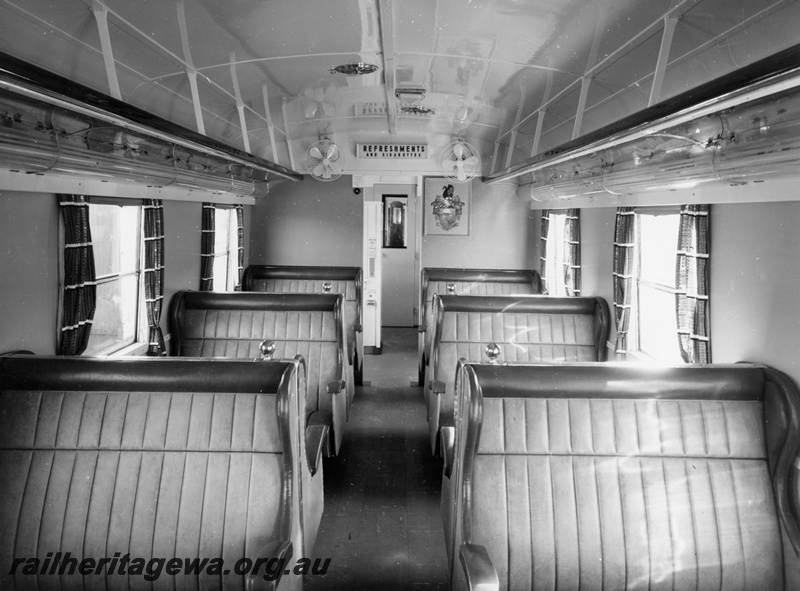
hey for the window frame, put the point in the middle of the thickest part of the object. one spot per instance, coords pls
(635, 329)
(139, 343)
(556, 252)
(231, 248)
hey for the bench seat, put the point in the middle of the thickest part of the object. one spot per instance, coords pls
(526, 328)
(613, 476)
(311, 279)
(151, 458)
(234, 325)
(436, 280)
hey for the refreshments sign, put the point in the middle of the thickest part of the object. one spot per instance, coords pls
(406, 151)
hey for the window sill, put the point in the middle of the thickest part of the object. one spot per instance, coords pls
(645, 359)
(132, 350)
(135, 349)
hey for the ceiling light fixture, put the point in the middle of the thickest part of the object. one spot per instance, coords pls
(358, 69)
(410, 93)
(416, 110)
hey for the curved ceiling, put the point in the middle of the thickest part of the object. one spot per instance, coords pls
(513, 77)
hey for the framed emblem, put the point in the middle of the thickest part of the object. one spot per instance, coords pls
(447, 207)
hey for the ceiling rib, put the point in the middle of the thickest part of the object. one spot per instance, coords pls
(101, 18)
(663, 59)
(675, 11)
(270, 125)
(278, 58)
(188, 66)
(731, 31)
(522, 97)
(239, 103)
(91, 49)
(537, 136)
(386, 18)
(688, 55)
(496, 151)
(288, 137)
(776, 73)
(586, 80)
(485, 59)
(27, 80)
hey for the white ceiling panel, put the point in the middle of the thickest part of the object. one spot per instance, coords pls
(486, 66)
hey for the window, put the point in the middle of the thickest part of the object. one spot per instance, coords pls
(119, 320)
(556, 253)
(654, 322)
(226, 249)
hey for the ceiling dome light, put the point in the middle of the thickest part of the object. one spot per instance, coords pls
(358, 69)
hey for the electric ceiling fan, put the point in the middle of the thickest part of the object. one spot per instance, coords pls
(460, 162)
(324, 160)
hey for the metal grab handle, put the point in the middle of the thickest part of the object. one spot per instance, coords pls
(492, 352)
(267, 349)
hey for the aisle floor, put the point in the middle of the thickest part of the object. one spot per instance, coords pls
(381, 526)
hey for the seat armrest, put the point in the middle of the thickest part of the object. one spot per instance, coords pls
(318, 428)
(358, 368)
(336, 386)
(447, 442)
(274, 557)
(438, 387)
(478, 568)
(421, 361)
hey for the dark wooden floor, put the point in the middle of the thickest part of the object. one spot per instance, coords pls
(381, 525)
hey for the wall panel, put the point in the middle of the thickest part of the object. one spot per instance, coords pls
(308, 223)
(29, 255)
(28, 272)
(501, 236)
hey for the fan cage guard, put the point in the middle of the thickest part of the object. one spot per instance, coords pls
(312, 162)
(448, 154)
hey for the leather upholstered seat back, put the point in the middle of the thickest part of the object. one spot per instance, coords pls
(345, 287)
(233, 325)
(147, 458)
(526, 329)
(342, 280)
(467, 288)
(613, 477)
(479, 282)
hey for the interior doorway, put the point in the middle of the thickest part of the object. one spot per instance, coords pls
(400, 254)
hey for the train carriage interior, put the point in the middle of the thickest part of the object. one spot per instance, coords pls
(400, 294)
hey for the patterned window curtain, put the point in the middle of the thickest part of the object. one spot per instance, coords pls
(207, 248)
(544, 229)
(572, 243)
(240, 247)
(691, 284)
(154, 273)
(624, 242)
(80, 285)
